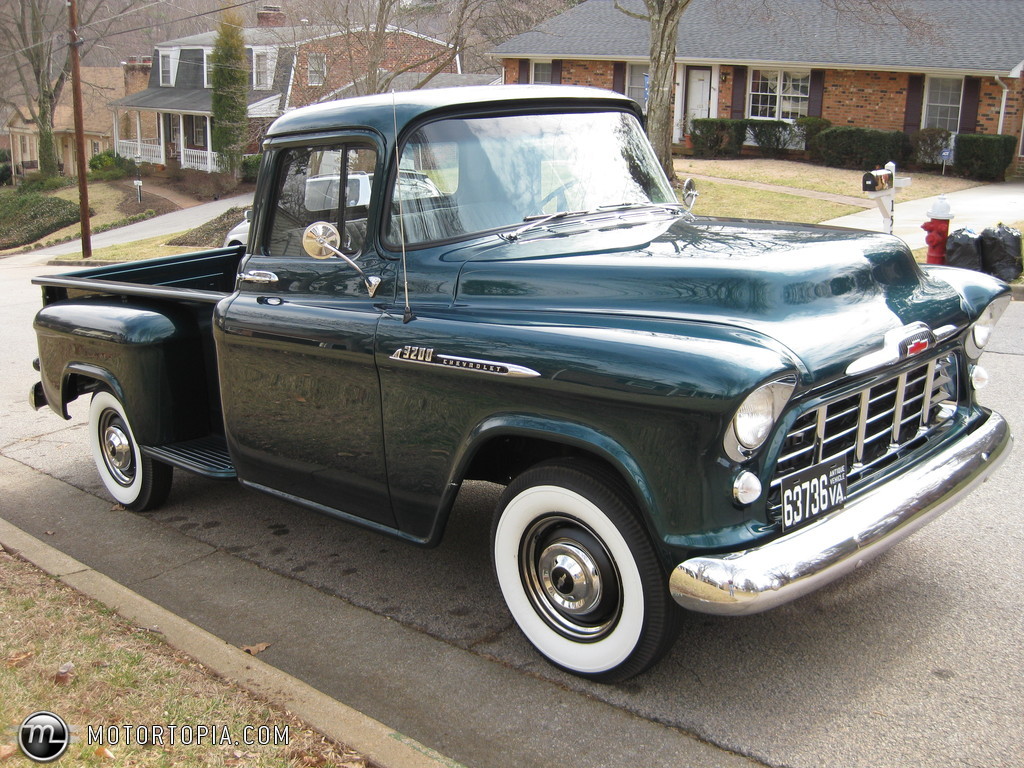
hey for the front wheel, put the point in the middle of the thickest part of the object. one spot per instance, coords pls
(135, 481)
(579, 573)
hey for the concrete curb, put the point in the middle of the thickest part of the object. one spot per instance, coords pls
(382, 745)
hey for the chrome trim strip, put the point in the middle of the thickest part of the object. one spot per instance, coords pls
(791, 566)
(427, 356)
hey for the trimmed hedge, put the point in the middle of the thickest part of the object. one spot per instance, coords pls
(983, 156)
(717, 137)
(251, 166)
(771, 136)
(845, 146)
(28, 216)
(807, 130)
(928, 144)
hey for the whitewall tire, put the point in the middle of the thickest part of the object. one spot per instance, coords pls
(136, 482)
(579, 572)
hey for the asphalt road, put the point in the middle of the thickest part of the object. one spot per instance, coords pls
(914, 660)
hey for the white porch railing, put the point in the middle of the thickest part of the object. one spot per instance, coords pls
(199, 160)
(146, 149)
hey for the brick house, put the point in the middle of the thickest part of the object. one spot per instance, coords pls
(789, 58)
(100, 87)
(289, 66)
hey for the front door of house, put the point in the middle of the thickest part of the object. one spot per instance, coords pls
(698, 93)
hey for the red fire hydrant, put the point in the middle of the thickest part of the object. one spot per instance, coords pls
(937, 228)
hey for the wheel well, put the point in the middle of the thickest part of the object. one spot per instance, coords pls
(504, 458)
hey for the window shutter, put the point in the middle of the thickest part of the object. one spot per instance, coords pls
(556, 72)
(817, 93)
(738, 108)
(524, 71)
(915, 103)
(969, 105)
(619, 77)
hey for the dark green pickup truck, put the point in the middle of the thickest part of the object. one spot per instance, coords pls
(499, 284)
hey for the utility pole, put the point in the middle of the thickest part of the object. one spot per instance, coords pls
(76, 93)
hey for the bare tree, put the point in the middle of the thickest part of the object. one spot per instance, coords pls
(663, 16)
(36, 69)
(367, 49)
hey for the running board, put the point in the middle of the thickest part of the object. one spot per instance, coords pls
(207, 456)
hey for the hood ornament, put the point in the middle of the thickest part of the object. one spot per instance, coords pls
(899, 344)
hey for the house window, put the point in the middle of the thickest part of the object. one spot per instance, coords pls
(317, 67)
(541, 72)
(199, 132)
(165, 69)
(207, 69)
(260, 76)
(778, 94)
(95, 148)
(636, 83)
(942, 103)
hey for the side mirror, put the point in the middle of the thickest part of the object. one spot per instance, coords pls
(321, 239)
(690, 194)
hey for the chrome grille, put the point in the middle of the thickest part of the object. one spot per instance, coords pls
(871, 428)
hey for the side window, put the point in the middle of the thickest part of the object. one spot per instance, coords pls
(326, 183)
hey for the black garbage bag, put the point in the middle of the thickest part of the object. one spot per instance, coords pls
(1001, 253)
(963, 249)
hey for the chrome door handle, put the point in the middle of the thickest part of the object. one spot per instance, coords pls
(258, 276)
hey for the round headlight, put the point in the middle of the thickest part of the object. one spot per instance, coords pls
(754, 419)
(982, 333)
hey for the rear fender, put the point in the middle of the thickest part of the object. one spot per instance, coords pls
(149, 355)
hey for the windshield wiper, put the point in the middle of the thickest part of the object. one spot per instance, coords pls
(539, 220)
(533, 222)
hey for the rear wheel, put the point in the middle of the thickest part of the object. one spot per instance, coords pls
(579, 572)
(135, 481)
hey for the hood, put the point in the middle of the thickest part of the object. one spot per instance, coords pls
(828, 295)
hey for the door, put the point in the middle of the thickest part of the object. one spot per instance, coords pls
(698, 94)
(299, 386)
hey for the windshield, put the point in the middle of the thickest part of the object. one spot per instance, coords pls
(459, 177)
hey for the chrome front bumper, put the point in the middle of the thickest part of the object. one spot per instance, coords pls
(784, 569)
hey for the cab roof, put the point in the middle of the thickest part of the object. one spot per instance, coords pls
(382, 112)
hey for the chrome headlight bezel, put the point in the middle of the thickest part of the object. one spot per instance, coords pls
(754, 420)
(980, 332)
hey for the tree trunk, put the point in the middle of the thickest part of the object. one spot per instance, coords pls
(663, 18)
(47, 144)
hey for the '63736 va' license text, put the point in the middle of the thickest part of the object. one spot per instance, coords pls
(813, 492)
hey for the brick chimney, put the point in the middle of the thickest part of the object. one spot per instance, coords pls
(271, 16)
(136, 74)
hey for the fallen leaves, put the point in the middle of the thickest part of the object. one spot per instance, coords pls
(104, 754)
(7, 751)
(254, 649)
(16, 660)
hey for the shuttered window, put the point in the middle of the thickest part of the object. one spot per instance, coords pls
(942, 103)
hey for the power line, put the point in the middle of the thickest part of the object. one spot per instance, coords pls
(133, 11)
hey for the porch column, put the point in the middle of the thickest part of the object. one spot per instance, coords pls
(116, 133)
(181, 139)
(211, 166)
(163, 138)
(138, 133)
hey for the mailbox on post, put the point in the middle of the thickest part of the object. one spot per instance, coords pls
(881, 185)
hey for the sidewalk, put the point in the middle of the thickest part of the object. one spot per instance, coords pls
(168, 224)
(975, 208)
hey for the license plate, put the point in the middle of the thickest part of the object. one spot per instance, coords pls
(813, 492)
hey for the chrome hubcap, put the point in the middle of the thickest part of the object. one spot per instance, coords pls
(117, 453)
(570, 578)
